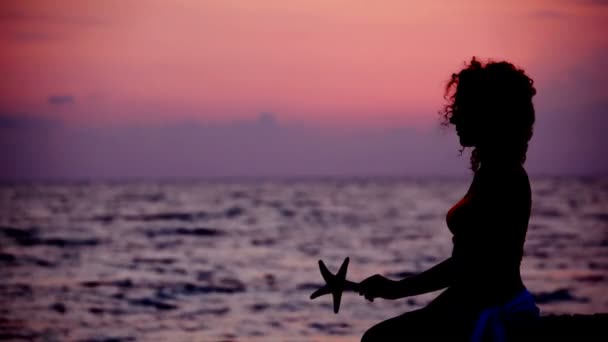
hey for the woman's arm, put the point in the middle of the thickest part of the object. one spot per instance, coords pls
(438, 277)
(435, 278)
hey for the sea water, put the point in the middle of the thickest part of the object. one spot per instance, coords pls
(237, 261)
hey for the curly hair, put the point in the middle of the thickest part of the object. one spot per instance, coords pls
(496, 97)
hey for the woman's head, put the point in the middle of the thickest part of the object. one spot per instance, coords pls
(491, 107)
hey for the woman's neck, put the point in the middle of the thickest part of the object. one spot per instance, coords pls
(498, 158)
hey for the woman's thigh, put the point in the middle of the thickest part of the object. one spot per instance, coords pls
(410, 326)
(419, 325)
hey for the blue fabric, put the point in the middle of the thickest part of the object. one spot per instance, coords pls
(490, 325)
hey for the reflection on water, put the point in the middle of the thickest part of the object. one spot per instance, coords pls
(237, 261)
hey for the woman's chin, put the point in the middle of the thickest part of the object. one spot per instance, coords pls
(465, 142)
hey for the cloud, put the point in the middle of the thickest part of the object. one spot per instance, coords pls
(267, 119)
(59, 100)
(29, 36)
(597, 2)
(21, 122)
(40, 148)
(248, 148)
(570, 141)
(586, 2)
(15, 15)
(548, 14)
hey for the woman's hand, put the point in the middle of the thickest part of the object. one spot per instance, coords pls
(377, 286)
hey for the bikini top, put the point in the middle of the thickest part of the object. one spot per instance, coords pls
(457, 216)
(462, 213)
(490, 215)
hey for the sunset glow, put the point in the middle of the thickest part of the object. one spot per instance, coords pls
(205, 81)
(312, 60)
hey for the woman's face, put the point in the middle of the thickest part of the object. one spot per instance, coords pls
(465, 128)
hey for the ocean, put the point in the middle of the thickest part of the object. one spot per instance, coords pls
(237, 261)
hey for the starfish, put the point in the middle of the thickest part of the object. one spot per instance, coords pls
(335, 284)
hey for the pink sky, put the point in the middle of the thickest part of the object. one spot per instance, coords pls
(358, 65)
(314, 60)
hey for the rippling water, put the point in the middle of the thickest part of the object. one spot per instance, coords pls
(204, 261)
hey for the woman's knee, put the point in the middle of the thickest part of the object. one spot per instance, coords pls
(373, 334)
(395, 328)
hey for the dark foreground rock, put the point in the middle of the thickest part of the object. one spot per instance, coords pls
(565, 328)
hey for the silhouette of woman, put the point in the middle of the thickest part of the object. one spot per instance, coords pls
(491, 107)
